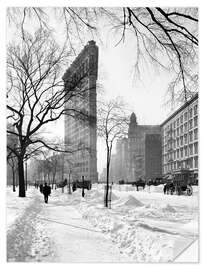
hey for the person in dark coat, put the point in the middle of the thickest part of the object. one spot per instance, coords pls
(46, 192)
(165, 188)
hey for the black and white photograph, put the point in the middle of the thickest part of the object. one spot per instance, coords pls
(102, 133)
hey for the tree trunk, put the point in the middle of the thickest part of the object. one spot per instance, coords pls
(107, 181)
(14, 182)
(53, 180)
(21, 178)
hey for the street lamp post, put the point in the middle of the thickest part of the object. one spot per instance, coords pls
(83, 189)
(69, 188)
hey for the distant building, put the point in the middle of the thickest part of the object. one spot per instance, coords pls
(121, 158)
(80, 134)
(153, 151)
(12, 167)
(138, 155)
(144, 151)
(153, 166)
(180, 140)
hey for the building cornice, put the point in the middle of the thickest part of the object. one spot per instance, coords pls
(180, 109)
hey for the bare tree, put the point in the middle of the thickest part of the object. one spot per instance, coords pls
(112, 125)
(170, 34)
(165, 37)
(36, 95)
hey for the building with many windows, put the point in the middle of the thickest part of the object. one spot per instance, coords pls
(81, 135)
(180, 140)
(151, 152)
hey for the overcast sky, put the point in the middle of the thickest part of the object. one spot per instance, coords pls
(145, 94)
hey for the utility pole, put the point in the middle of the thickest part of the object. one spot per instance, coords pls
(69, 189)
(83, 190)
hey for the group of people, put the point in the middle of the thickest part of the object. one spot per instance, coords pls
(46, 190)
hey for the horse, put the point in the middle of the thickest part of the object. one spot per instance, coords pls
(139, 183)
(169, 188)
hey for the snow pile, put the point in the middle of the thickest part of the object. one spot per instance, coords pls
(131, 201)
(168, 208)
(195, 190)
(143, 225)
(191, 226)
(114, 197)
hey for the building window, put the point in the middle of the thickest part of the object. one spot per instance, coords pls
(191, 162)
(178, 153)
(185, 150)
(190, 124)
(177, 131)
(185, 116)
(181, 119)
(178, 122)
(196, 134)
(181, 129)
(181, 152)
(191, 149)
(181, 140)
(195, 109)
(190, 136)
(196, 162)
(185, 138)
(196, 148)
(177, 142)
(185, 127)
(191, 113)
(86, 65)
(195, 121)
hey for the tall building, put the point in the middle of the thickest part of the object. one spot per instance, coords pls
(180, 140)
(153, 167)
(79, 134)
(138, 155)
(118, 164)
(144, 150)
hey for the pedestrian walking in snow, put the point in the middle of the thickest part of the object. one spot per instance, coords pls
(165, 188)
(46, 192)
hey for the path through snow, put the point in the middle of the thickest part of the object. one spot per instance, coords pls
(56, 232)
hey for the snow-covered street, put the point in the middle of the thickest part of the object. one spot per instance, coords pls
(144, 226)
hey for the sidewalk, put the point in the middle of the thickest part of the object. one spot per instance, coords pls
(75, 240)
(56, 232)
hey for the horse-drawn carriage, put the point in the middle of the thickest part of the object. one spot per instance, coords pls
(179, 183)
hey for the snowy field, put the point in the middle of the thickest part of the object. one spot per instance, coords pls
(144, 226)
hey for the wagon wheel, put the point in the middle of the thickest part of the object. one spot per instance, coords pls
(189, 191)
